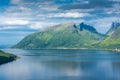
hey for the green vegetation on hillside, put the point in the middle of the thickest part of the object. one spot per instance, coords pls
(113, 40)
(61, 37)
(6, 57)
(72, 36)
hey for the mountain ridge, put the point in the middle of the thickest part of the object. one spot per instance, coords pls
(68, 35)
(114, 26)
(72, 36)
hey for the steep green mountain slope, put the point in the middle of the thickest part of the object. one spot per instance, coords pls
(62, 36)
(113, 39)
(5, 57)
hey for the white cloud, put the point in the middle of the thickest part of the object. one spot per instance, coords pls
(116, 0)
(41, 25)
(12, 23)
(18, 11)
(16, 22)
(15, 1)
(46, 8)
(8, 27)
(69, 15)
(114, 10)
(36, 26)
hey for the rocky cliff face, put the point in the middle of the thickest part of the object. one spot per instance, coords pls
(113, 39)
(87, 27)
(114, 26)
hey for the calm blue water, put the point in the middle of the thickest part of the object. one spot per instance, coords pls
(62, 65)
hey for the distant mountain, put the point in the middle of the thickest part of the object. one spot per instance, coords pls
(114, 26)
(113, 39)
(63, 36)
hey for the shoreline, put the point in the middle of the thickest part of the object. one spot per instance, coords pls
(70, 49)
(7, 57)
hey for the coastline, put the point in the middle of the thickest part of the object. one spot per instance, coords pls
(69, 49)
(7, 57)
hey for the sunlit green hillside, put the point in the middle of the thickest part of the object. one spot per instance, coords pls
(62, 36)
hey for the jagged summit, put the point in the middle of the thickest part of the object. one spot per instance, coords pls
(87, 27)
(71, 26)
(113, 39)
(114, 26)
(82, 26)
(62, 36)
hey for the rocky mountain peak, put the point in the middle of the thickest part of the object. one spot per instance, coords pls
(87, 27)
(114, 26)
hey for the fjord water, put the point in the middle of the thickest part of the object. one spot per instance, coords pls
(62, 65)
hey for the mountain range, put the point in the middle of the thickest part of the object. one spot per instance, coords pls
(72, 36)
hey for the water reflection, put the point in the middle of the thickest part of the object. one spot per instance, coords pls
(62, 65)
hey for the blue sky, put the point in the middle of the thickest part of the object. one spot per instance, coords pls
(19, 18)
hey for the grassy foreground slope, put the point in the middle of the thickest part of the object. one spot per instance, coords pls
(6, 57)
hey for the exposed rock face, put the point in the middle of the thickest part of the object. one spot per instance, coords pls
(114, 26)
(113, 39)
(87, 27)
